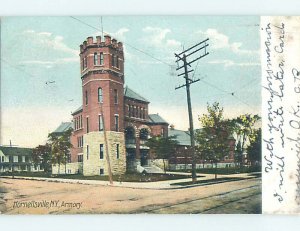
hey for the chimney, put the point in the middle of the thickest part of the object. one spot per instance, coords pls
(9, 143)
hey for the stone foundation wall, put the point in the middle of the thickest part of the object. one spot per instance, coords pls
(92, 162)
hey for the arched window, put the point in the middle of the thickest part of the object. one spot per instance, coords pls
(95, 58)
(100, 95)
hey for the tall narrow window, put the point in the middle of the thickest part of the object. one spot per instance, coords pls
(100, 95)
(85, 62)
(117, 123)
(100, 120)
(101, 58)
(101, 151)
(117, 151)
(86, 98)
(162, 132)
(87, 152)
(87, 125)
(115, 96)
(117, 61)
(95, 58)
(129, 110)
(113, 60)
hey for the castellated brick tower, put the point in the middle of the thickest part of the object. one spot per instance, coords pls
(102, 74)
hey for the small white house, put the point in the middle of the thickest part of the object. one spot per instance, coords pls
(17, 159)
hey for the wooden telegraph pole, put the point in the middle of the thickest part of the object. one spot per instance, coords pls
(188, 81)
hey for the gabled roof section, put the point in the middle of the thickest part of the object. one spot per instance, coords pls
(133, 95)
(16, 151)
(156, 119)
(77, 110)
(64, 126)
(183, 137)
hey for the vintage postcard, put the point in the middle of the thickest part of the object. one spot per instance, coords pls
(149, 114)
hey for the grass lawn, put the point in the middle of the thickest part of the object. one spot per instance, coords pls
(211, 181)
(128, 177)
(224, 171)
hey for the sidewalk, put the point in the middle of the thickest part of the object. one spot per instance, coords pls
(138, 185)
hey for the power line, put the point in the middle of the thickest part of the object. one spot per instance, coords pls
(129, 45)
(231, 93)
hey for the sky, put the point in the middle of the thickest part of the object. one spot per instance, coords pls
(38, 50)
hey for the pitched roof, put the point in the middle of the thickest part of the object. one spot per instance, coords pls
(133, 95)
(16, 151)
(77, 110)
(64, 126)
(156, 119)
(182, 137)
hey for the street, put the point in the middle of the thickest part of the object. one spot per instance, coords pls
(19, 196)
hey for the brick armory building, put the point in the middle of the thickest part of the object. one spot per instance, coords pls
(113, 122)
(109, 106)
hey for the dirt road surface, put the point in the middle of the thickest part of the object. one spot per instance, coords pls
(18, 196)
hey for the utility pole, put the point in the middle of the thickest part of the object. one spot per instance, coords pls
(188, 81)
(106, 147)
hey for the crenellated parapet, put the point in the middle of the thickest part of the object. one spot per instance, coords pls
(108, 41)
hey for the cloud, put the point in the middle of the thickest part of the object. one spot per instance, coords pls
(156, 36)
(32, 129)
(172, 42)
(47, 41)
(49, 64)
(229, 63)
(221, 41)
(119, 34)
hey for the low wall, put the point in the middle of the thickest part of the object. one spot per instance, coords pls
(69, 168)
(199, 166)
(160, 163)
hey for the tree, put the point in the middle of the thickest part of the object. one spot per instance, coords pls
(244, 130)
(60, 147)
(42, 155)
(212, 139)
(254, 149)
(238, 154)
(163, 147)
